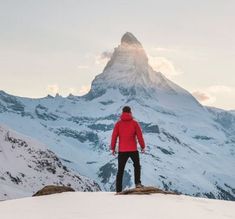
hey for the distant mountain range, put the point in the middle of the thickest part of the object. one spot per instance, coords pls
(190, 147)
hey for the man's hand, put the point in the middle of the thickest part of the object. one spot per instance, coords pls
(113, 152)
(142, 150)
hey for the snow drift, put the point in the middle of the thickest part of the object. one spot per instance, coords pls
(106, 205)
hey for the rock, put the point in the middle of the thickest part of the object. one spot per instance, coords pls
(51, 189)
(130, 39)
(146, 191)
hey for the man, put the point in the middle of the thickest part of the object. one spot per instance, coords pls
(127, 129)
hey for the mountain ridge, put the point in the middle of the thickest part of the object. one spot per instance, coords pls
(27, 165)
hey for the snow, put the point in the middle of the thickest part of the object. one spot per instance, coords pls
(191, 150)
(106, 205)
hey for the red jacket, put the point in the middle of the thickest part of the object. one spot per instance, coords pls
(127, 129)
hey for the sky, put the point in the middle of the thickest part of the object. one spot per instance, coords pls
(59, 46)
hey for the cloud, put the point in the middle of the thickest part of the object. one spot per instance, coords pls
(103, 57)
(164, 65)
(106, 55)
(203, 97)
(161, 64)
(53, 89)
(84, 89)
(72, 90)
(210, 94)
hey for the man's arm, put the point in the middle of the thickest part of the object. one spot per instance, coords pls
(114, 136)
(140, 136)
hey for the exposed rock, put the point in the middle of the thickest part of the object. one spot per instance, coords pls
(146, 191)
(130, 39)
(51, 189)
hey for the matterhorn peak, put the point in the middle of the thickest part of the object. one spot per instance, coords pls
(130, 39)
(128, 71)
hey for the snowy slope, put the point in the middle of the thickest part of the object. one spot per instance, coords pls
(190, 147)
(27, 165)
(106, 205)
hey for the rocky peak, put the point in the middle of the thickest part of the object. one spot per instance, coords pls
(130, 39)
(129, 71)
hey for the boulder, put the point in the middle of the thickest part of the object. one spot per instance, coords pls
(146, 190)
(52, 189)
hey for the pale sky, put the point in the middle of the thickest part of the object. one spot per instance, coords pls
(51, 46)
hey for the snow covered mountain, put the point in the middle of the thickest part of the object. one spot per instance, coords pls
(27, 165)
(129, 73)
(190, 147)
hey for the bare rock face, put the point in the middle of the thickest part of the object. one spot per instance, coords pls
(51, 189)
(130, 39)
(146, 191)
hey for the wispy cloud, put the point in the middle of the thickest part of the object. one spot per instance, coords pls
(84, 89)
(106, 55)
(203, 97)
(210, 94)
(53, 88)
(164, 66)
(79, 91)
(72, 90)
(103, 57)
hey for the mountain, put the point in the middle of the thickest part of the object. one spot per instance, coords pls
(27, 165)
(190, 147)
(232, 111)
(128, 72)
(73, 205)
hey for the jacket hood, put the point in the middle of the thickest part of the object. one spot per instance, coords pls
(126, 116)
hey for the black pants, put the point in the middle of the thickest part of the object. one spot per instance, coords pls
(122, 159)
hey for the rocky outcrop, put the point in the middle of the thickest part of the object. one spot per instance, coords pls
(146, 191)
(51, 189)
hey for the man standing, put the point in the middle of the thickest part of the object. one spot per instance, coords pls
(127, 129)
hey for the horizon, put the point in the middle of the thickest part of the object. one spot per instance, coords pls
(64, 53)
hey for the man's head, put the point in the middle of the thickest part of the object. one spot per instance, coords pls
(126, 109)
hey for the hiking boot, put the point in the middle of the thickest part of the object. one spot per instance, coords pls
(139, 185)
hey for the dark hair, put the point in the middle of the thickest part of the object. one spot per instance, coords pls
(126, 109)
